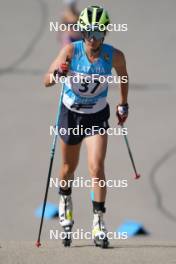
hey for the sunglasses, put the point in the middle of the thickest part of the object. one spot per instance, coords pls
(94, 34)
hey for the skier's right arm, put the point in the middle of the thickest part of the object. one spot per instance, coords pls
(58, 65)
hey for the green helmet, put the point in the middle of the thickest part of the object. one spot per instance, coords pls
(93, 17)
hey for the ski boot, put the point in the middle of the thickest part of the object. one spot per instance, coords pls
(66, 221)
(99, 231)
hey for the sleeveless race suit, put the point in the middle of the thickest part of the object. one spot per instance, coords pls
(81, 96)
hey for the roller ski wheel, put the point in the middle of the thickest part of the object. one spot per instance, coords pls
(103, 243)
(66, 242)
(66, 218)
(67, 236)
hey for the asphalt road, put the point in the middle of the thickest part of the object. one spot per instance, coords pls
(132, 252)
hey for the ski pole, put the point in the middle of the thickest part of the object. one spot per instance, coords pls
(137, 175)
(52, 152)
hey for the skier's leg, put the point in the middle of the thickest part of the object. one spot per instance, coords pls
(70, 158)
(96, 146)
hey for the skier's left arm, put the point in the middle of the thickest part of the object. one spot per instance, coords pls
(119, 64)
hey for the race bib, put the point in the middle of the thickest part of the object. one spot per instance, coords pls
(86, 85)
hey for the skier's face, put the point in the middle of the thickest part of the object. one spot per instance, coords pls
(93, 43)
(93, 39)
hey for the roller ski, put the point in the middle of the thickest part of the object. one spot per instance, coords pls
(99, 231)
(67, 240)
(66, 221)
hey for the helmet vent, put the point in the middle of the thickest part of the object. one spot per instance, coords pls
(106, 23)
(89, 14)
(99, 14)
(82, 22)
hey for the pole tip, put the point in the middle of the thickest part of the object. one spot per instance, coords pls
(38, 244)
(137, 176)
